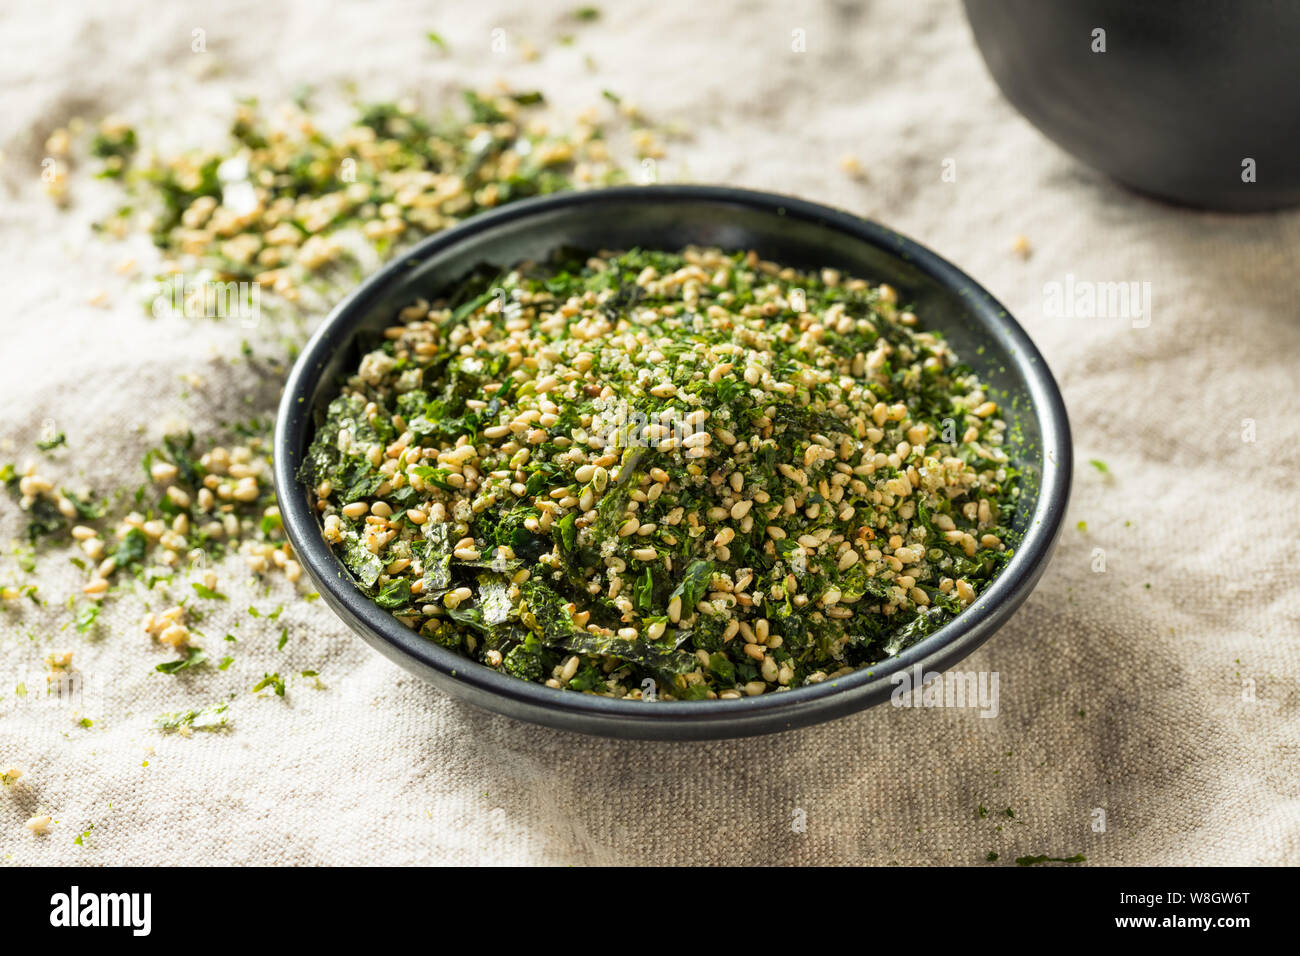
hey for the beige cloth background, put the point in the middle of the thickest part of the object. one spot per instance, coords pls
(1113, 695)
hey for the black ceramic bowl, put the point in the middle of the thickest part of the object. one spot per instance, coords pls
(787, 230)
(1184, 93)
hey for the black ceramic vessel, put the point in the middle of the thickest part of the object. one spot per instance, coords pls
(1186, 98)
(669, 217)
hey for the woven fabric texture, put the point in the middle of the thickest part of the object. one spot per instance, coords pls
(1158, 694)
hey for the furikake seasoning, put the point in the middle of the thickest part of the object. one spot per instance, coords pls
(673, 475)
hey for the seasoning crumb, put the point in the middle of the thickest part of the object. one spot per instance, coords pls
(851, 166)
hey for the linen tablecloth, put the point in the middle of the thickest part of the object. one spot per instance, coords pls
(1148, 712)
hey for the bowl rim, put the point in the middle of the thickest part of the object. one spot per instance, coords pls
(706, 719)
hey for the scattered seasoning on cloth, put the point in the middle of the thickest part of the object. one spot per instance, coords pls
(294, 212)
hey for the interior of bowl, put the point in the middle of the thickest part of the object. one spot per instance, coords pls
(787, 231)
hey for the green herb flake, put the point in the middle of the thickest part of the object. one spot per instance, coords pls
(273, 681)
(210, 718)
(194, 657)
(86, 617)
